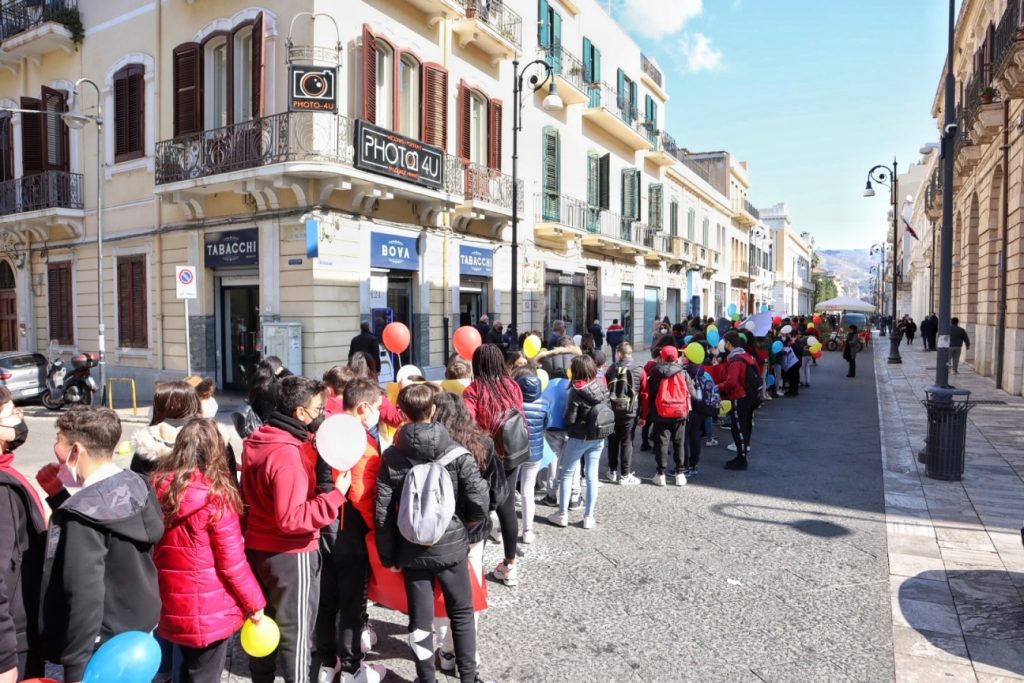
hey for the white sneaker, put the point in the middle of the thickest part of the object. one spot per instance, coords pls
(680, 479)
(369, 673)
(495, 534)
(327, 673)
(658, 480)
(508, 574)
(527, 537)
(629, 480)
(589, 522)
(559, 518)
(368, 639)
(711, 442)
(611, 476)
(732, 447)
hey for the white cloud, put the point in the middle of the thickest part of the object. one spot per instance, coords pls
(659, 19)
(698, 54)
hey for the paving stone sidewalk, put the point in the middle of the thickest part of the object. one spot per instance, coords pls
(956, 563)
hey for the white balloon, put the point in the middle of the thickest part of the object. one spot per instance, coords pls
(721, 345)
(406, 372)
(341, 441)
(786, 329)
(577, 339)
(750, 325)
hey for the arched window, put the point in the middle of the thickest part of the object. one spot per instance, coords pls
(385, 84)
(6, 276)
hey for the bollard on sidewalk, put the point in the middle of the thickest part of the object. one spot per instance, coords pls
(946, 442)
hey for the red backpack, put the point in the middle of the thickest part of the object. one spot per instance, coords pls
(673, 398)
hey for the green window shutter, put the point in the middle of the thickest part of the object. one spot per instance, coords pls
(632, 101)
(673, 218)
(604, 193)
(588, 63)
(551, 174)
(691, 225)
(593, 178)
(621, 91)
(597, 65)
(655, 208)
(631, 194)
(706, 226)
(543, 24)
(556, 42)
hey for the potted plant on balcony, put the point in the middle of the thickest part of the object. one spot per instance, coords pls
(575, 70)
(988, 93)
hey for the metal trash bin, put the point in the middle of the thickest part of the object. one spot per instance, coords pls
(947, 432)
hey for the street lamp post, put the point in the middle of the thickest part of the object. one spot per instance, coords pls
(754, 232)
(881, 174)
(880, 271)
(552, 102)
(78, 120)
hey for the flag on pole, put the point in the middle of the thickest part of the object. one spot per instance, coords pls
(908, 210)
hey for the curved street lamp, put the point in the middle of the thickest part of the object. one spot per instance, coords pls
(552, 102)
(883, 175)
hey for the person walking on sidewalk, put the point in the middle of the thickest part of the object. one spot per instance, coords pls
(958, 339)
(731, 378)
(926, 333)
(665, 402)
(624, 386)
(911, 330)
(852, 348)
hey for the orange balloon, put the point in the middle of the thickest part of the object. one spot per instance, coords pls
(816, 320)
(466, 340)
(396, 337)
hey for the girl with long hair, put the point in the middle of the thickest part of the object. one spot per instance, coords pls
(491, 394)
(174, 404)
(206, 586)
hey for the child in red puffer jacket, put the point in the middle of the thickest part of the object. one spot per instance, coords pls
(206, 586)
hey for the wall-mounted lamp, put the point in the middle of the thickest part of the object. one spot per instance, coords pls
(38, 284)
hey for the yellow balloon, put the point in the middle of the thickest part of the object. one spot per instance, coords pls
(695, 353)
(531, 346)
(542, 375)
(726, 407)
(810, 326)
(711, 328)
(259, 640)
(815, 347)
(125, 448)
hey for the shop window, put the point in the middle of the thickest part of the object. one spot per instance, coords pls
(129, 112)
(132, 323)
(61, 311)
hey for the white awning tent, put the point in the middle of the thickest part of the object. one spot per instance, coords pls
(845, 303)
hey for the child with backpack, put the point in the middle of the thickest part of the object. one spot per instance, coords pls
(590, 421)
(624, 389)
(665, 403)
(705, 402)
(537, 411)
(424, 470)
(738, 380)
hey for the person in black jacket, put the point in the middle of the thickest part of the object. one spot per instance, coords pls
(620, 443)
(422, 440)
(22, 543)
(366, 342)
(595, 330)
(98, 577)
(669, 432)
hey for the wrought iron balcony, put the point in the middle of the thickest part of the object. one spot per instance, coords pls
(560, 209)
(568, 72)
(491, 186)
(612, 111)
(48, 190)
(751, 209)
(18, 16)
(495, 15)
(648, 68)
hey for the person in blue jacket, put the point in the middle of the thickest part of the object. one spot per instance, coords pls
(538, 416)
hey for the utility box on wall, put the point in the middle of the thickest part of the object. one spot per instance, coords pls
(284, 340)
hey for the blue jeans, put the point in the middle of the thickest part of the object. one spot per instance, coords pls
(569, 461)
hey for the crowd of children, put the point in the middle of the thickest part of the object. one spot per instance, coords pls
(205, 531)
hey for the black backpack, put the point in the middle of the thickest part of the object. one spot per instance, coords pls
(512, 438)
(753, 383)
(600, 422)
(623, 393)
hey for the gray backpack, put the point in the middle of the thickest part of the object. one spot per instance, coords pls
(428, 499)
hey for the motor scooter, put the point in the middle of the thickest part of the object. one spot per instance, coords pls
(69, 388)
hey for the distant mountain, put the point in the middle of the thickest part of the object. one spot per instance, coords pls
(850, 266)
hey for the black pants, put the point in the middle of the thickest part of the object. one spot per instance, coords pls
(203, 664)
(620, 444)
(910, 337)
(645, 435)
(793, 380)
(342, 613)
(693, 440)
(291, 584)
(735, 427)
(506, 512)
(669, 436)
(852, 360)
(746, 417)
(458, 602)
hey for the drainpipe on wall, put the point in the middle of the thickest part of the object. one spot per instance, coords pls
(1001, 307)
(158, 219)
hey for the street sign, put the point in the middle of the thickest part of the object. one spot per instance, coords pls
(185, 281)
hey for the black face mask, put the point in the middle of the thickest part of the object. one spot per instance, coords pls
(315, 424)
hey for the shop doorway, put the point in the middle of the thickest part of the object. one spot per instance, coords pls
(8, 309)
(566, 302)
(400, 303)
(472, 301)
(240, 332)
(593, 305)
(674, 313)
(651, 312)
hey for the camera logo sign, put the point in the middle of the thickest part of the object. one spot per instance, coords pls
(313, 88)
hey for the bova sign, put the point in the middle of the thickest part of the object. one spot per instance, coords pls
(382, 151)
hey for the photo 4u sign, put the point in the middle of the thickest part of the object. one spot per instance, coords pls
(385, 152)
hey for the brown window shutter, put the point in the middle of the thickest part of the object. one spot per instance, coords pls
(258, 53)
(131, 302)
(434, 114)
(123, 302)
(465, 121)
(55, 133)
(6, 147)
(31, 137)
(369, 75)
(188, 88)
(59, 304)
(140, 328)
(120, 114)
(136, 112)
(494, 134)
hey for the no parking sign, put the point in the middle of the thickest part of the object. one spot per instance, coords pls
(185, 281)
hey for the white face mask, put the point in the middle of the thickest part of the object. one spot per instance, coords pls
(68, 474)
(209, 407)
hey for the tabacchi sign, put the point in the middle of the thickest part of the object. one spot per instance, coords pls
(382, 151)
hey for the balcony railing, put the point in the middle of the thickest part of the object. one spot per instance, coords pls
(972, 98)
(489, 185)
(552, 207)
(698, 166)
(604, 95)
(668, 144)
(751, 209)
(18, 16)
(657, 240)
(565, 64)
(648, 68)
(1006, 35)
(49, 190)
(497, 15)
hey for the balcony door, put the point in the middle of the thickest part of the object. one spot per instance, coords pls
(8, 309)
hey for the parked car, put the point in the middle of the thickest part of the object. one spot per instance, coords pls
(24, 374)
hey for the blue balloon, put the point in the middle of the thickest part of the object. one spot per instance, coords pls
(130, 657)
(687, 338)
(732, 310)
(714, 337)
(770, 379)
(776, 346)
(764, 308)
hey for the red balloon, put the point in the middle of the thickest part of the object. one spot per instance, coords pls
(39, 680)
(816, 320)
(777, 320)
(396, 337)
(466, 340)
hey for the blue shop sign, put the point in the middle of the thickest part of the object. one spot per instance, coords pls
(476, 261)
(394, 251)
(232, 249)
